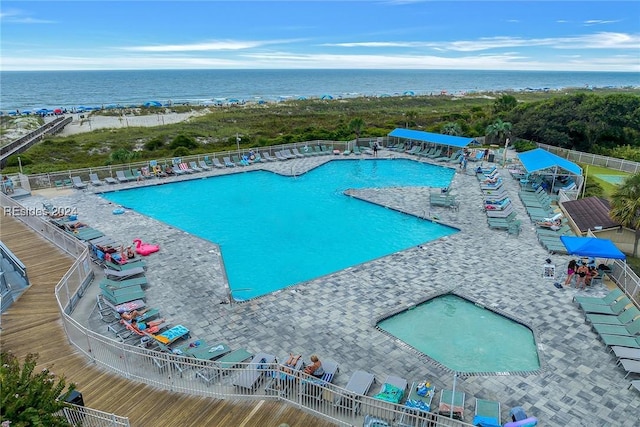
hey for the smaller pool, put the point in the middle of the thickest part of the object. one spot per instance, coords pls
(465, 337)
(613, 179)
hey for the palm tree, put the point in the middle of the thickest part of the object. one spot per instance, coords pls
(356, 126)
(452, 128)
(411, 116)
(625, 207)
(499, 130)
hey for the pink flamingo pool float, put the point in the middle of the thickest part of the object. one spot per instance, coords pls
(145, 248)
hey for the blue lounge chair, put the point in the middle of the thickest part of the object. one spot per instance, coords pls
(228, 163)
(393, 389)
(621, 319)
(451, 404)
(615, 308)
(608, 299)
(487, 413)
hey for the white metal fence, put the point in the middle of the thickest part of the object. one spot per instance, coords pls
(182, 374)
(594, 159)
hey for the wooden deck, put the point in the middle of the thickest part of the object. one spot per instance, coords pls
(32, 325)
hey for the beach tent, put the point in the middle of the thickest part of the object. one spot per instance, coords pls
(409, 93)
(326, 96)
(542, 162)
(592, 247)
(434, 138)
(152, 104)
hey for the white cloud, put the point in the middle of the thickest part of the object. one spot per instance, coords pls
(205, 46)
(597, 22)
(15, 16)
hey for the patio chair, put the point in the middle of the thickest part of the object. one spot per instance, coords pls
(195, 167)
(615, 308)
(131, 263)
(371, 421)
(626, 352)
(416, 405)
(123, 274)
(280, 156)
(281, 379)
(629, 330)
(216, 163)
(130, 175)
(623, 318)
(621, 340)
(185, 167)
(110, 180)
(95, 181)
(358, 385)
(452, 405)
(297, 153)
(487, 413)
(250, 377)
(288, 154)
(608, 299)
(172, 335)
(267, 157)
(392, 390)
(208, 374)
(125, 295)
(121, 177)
(77, 183)
(631, 366)
(228, 163)
(114, 287)
(203, 165)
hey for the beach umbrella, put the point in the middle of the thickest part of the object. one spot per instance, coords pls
(302, 98)
(409, 93)
(326, 96)
(385, 95)
(152, 104)
(57, 111)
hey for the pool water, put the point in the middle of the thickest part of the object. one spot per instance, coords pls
(276, 231)
(465, 337)
(613, 179)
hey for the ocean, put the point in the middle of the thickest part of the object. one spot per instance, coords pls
(33, 90)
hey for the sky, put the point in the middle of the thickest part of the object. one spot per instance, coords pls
(390, 34)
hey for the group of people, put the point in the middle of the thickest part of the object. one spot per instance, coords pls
(314, 369)
(583, 272)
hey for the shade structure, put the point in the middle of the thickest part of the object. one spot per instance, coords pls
(592, 247)
(539, 159)
(434, 138)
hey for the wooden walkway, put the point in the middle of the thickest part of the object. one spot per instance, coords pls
(32, 325)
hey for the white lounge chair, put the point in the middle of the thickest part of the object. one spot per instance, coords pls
(93, 177)
(77, 183)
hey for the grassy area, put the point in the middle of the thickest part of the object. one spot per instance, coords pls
(634, 263)
(591, 173)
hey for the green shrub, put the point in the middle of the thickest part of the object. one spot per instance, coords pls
(183, 141)
(154, 144)
(180, 152)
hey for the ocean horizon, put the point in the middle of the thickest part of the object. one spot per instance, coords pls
(34, 90)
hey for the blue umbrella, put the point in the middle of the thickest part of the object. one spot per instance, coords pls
(152, 104)
(326, 96)
(409, 93)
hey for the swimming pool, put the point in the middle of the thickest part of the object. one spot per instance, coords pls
(276, 231)
(613, 179)
(465, 337)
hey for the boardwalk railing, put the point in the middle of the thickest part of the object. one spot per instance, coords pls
(23, 143)
(81, 416)
(594, 159)
(174, 372)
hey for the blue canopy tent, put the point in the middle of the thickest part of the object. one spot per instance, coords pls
(433, 138)
(592, 247)
(543, 162)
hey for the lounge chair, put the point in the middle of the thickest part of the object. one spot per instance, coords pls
(120, 176)
(123, 274)
(228, 163)
(195, 167)
(86, 233)
(288, 154)
(95, 181)
(120, 286)
(77, 183)
(297, 153)
(392, 390)
(280, 156)
(487, 413)
(172, 335)
(626, 353)
(203, 165)
(131, 293)
(267, 157)
(358, 385)
(416, 405)
(185, 168)
(623, 318)
(608, 299)
(215, 162)
(630, 330)
(131, 263)
(110, 180)
(621, 340)
(452, 405)
(130, 175)
(616, 308)
(371, 421)
(631, 366)
(209, 374)
(238, 161)
(281, 380)
(250, 377)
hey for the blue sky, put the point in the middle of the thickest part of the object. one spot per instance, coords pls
(404, 34)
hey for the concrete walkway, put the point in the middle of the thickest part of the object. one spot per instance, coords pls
(334, 316)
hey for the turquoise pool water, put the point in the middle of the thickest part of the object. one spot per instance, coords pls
(613, 179)
(465, 337)
(277, 231)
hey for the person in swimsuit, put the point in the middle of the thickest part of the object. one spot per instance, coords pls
(582, 272)
(571, 270)
(315, 368)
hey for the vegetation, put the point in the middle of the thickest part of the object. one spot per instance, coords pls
(28, 398)
(608, 120)
(625, 207)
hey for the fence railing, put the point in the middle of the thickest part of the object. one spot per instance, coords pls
(174, 372)
(13, 279)
(594, 159)
(23, 143)
(80, 416)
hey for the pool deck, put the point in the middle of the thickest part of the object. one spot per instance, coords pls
(334, 316)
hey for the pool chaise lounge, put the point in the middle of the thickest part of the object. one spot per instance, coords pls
(95, 181)
(216, 163)
(131, 263)
(621, 341)
(416, 405)
(393, 389)
(123, 274)
(228, 361)
(77, 183)
(631, 366)
(250, 377)
(267, 157)
(608, 299)
(110, 285)
(281, 379)
(358, 385)
(623, 318)
(228, 163)
(615, 308)
(487, 413)
(450, 405)
(630, 330)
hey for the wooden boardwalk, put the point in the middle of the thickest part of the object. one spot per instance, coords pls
(32, 325)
